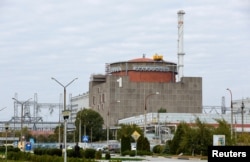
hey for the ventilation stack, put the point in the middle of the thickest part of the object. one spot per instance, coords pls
(180, 44)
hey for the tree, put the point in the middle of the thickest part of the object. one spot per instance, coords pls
(56, 132)
(92, 122)
(195, 139)
(243, 139)
(128, 130)
(203, 136)
(188, 143)
(224, 129)
(143, 144)
(125, 143)
(182, 128)
(125, 133)
(192, 140)
(167, 147)
(162, 110)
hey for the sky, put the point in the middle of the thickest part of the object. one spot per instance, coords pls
(68, 39)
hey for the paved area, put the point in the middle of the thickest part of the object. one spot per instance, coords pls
(162, 159)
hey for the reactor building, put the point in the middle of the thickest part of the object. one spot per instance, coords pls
(143, 85)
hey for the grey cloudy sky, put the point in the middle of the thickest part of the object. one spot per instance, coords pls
(66, 39)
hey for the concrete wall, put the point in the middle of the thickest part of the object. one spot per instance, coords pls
(180, 97)
(78, 103)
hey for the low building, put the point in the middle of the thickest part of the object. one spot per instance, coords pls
(78, 103)
(163, 125)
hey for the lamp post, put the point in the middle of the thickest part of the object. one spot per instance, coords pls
(22, 104)
(2, 108)
(231, 105)
(6, 149)
(65, 114)
(108, 129)
(145, 111)
(80, 129)
(242, 116)
(59, 131)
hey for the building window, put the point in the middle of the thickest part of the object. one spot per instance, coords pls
(93, 99)
(103, 97)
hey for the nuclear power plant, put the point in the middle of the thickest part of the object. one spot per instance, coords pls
(142, 85)
(133, 91)
(132, 87)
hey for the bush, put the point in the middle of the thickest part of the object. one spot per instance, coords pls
(98, 155)
(107, 156)
(44, 151)
(124, 153)
(125, 143)
(12, 156)
(90, 153)
(158, 149)
(19, 156)
(55, 151)
(14, 149)
(70, 153)
(2, 148)
(139, 153)
(132, 153)
(40, 151)
(142, 152)
(166, 148)
(24, 156)
(10, 148)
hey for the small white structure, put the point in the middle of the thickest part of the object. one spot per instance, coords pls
(219, 140)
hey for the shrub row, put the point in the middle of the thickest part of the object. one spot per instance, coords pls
(139, 153)
(158, 149)
(88, 153)
(52, 152)
(24, 156)
(10, 148)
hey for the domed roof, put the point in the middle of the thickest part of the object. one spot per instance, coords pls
(143, 59)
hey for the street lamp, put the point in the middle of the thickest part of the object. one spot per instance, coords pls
(2, 108)
(65, 114)
(242, 116)
(6, 129)
(22, 104)
(145, 111)
(80, 125)
(231, 105)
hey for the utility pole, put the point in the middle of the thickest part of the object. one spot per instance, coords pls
(231, 105)
(242, 116)
(22, 105)
(65, 115)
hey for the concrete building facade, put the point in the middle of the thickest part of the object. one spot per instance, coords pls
(78, 103)
(129, 88)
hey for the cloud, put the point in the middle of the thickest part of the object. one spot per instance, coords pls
(65, 39)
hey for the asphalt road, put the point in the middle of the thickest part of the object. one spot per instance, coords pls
(161, 159)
